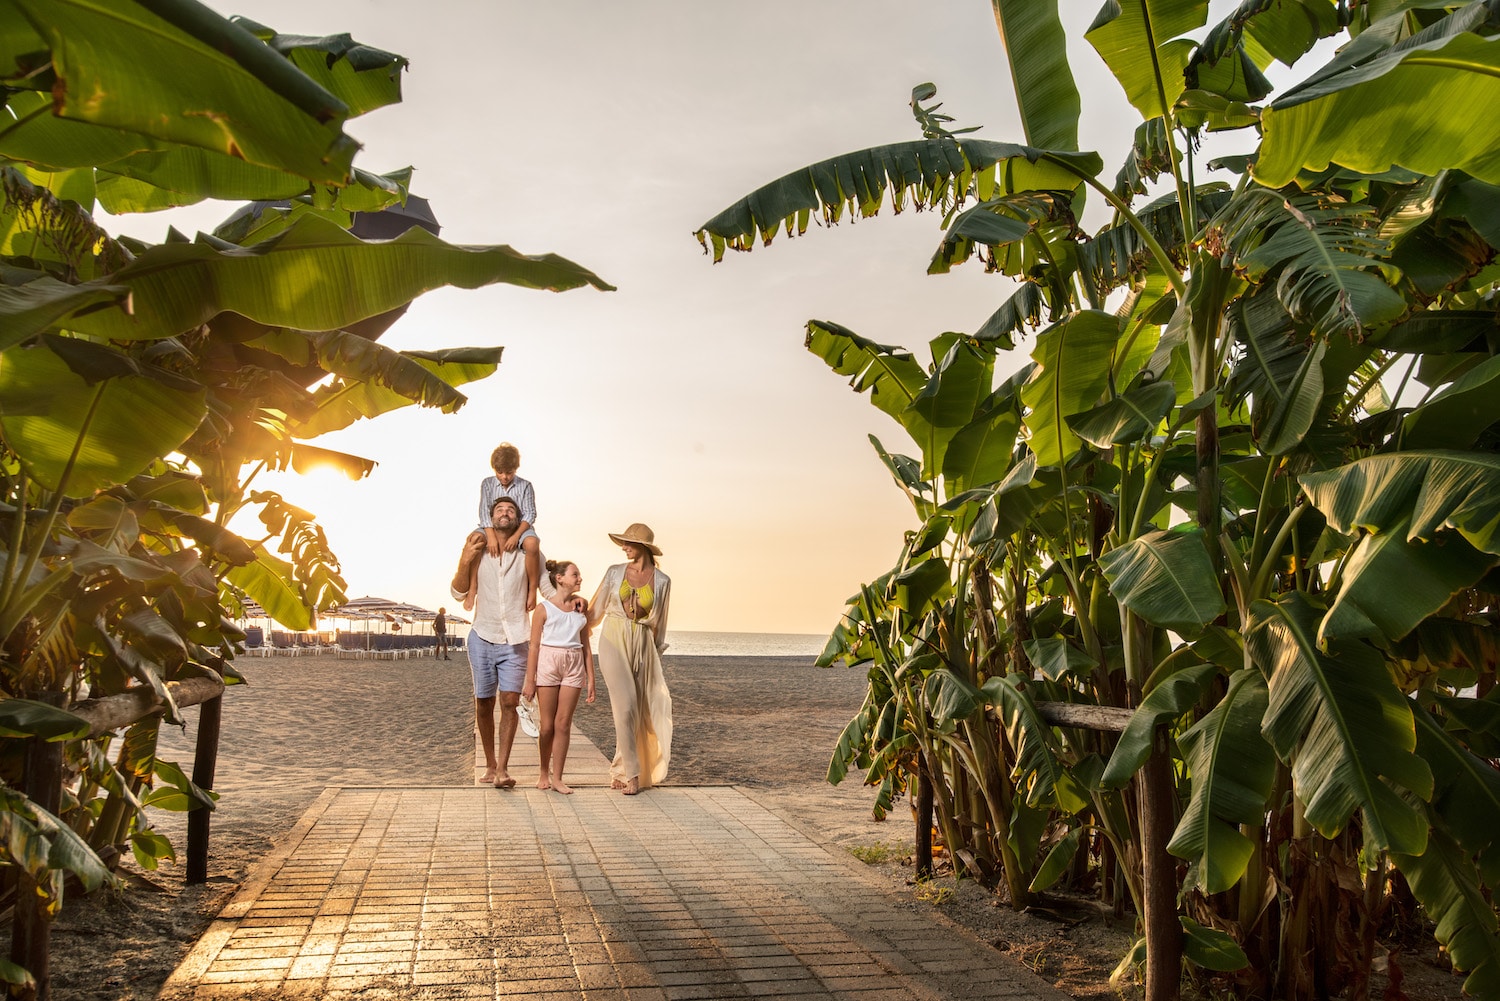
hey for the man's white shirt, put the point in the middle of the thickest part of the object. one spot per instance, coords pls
(500, 605)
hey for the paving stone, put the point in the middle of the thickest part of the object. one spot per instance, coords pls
(679, 893)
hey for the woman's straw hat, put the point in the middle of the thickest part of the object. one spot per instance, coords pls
(639, 535)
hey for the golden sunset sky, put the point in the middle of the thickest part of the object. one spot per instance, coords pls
(607, 132)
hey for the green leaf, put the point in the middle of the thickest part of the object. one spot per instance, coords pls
(35, 302)
(1446, 882)
(1458, 414)
(1036, 46)
(1139, 42)
(1210, 948)
(314, 276)
(1326, 121)
(1338, 720)
(1073, 361)
(1055, 865)
(1435, 490)
(918, 586)
(1167, 578)
(123, 423)
(1127, 418)
(1037, 770)
(1168, 700)
(950, 697)
(1232, 769)
(852, 748)
(1056, 658)
(341, 403)
(890, 374)
(25, 718)
(150, 848)
(1467, 790)
(927, 170)
(185, 75)
(269, 581)
(980, 453)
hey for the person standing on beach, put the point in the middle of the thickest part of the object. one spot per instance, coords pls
(498, 635)
(440, 633)
(559, 668)
(631, 605)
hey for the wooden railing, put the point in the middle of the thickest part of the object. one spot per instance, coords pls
(30, 925)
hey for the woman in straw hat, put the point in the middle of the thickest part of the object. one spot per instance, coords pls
(631, 607)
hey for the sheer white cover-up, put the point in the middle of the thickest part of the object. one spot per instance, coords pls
(630, 661)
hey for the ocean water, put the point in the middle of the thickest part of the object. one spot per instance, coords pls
(685, 643)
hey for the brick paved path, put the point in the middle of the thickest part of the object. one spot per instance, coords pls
(680, 892)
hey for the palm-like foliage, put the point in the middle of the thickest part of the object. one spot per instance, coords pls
(1250, 499)
(143, 387)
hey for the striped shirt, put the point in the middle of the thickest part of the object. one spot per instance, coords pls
(519, 491)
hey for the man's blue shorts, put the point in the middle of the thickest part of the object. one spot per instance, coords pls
(496, 666)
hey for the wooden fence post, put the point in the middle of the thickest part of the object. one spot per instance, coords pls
(205, 758)
(31, 925)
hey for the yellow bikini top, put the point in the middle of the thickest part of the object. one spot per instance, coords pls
(642, 594)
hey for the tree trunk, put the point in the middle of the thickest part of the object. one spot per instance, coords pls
(1159, 873)
(205, 759)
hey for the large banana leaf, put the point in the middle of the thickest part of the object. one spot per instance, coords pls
(1232, 770)
(1457, 415)
(195, 79)
(1140, 41)
(117, 426)
(1467, 791)
(35, 302)
(1037, 771)
(1330, 120)
(315, 276)
(1430, 574)
(1338, 720)
(1038, 54)
(1446, 883)
(1435, 490)
(931, 170)
(1127, 418)
(270, 581)
(1175, 695)
(1321, 254)
(1073, 363)
(388, 388)
(1167, 578)
(891, 374)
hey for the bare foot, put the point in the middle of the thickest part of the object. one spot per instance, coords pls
(543, 782)
(616, 784)
(504, 781)
(631, 788)
(560, 786)
(488, 777)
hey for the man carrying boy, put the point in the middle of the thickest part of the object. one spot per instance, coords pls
(497, 643)
(505, 460)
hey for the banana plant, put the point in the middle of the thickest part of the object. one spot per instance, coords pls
(1258, 433)
(144, 387)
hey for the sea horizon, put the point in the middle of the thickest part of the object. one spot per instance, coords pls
(702, 643)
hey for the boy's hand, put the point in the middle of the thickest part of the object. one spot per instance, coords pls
(530, 601)
(512, 542)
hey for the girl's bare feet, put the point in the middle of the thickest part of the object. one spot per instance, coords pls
(543, 782)
(559, 785)
(631, 788)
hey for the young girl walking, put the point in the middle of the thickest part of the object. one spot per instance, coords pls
(559, 668)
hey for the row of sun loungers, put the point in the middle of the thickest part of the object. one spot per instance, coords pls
(345, 644)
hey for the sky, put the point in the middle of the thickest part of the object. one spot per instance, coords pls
(608, 132)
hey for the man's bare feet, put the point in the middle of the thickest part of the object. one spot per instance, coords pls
(543, 782)
(558, 785)
(504, 781)
(631, 788)
(488, 777)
